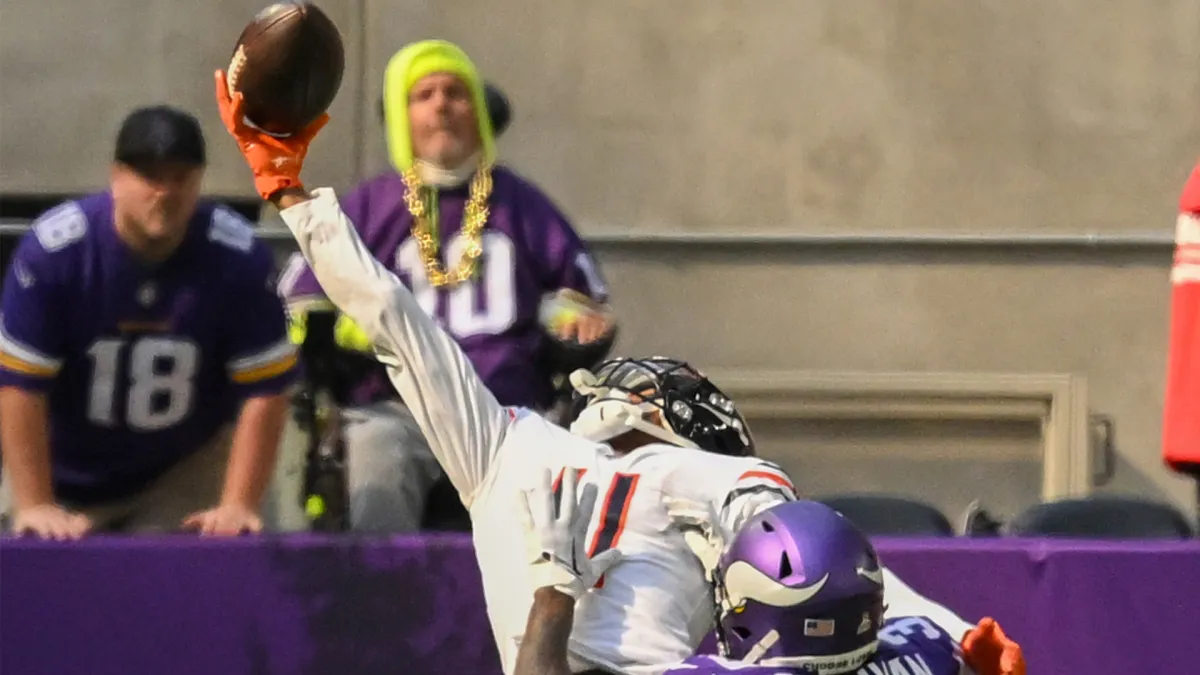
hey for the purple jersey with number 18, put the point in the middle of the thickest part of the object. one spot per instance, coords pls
(142, 365)
(529, 249)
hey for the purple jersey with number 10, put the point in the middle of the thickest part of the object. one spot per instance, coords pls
(910, 645)
(142, 365)
(529, 249)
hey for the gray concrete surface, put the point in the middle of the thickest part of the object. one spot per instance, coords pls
(814, 116)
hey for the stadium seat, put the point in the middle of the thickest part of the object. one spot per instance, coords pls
(1102, 518)
(884, 515)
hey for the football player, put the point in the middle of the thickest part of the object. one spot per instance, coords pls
(799, 591)
(643, 429)
(143, 352)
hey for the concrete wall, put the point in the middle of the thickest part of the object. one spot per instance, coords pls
(815, 115)
(928, 116)
(1100, 315)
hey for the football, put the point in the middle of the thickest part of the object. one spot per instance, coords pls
(288, 66)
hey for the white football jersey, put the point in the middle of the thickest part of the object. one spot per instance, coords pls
(653, 609)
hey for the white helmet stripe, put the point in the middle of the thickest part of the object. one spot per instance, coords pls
(743, 581)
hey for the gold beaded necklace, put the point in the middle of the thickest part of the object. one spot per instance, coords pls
(475, 216)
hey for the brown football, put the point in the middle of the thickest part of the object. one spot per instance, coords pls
(288, 66)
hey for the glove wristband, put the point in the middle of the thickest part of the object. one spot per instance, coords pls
(268, 184)
(553, 574)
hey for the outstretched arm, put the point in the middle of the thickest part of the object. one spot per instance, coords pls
(461, 420)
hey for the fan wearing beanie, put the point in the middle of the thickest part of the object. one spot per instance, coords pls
(484, 251)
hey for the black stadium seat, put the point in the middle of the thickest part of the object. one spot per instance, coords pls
(1102, 518)
(882, 515)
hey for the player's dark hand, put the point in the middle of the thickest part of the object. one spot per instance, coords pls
(225, 520)
(988, 651)
(50, 521)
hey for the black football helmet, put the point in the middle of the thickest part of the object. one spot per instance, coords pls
(665, 398)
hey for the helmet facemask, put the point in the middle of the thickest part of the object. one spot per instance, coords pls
(663, 398)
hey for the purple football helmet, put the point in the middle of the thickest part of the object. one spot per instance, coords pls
(800, 587)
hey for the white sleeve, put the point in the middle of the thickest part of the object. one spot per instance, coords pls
(719, 494)
(901, 600)
(759, 486)
(461, 419)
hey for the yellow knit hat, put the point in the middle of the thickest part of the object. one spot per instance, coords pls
(404, 70)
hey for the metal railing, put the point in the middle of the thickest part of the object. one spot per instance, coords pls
(1150, 241)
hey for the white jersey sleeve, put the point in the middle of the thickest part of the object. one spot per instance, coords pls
(733, 488)
(901, 600)
(461, 419)
(757, 488)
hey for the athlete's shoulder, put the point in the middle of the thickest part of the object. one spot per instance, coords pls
(226, 230)
(384, 182)
(509, 181)
(917, 639)
(370, 203)
(754, 470)
(63, 230)
(233, 250)
(668, 453)
(538, 434)
(53, 251)
(659, 459)
(711, 463)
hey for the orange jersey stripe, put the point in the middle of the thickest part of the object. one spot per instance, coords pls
(767, 475)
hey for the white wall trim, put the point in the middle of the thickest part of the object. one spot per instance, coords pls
(1056, 401)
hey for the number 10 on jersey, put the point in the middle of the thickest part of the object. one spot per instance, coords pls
(156, 375)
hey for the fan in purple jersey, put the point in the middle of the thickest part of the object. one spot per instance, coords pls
(143, 353)
(484, 251)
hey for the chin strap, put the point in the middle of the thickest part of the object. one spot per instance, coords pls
(609, 413)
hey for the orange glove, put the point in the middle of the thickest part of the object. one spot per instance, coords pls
(988, 651)
(275, 161)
